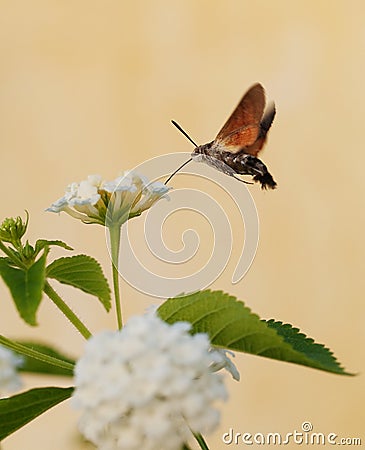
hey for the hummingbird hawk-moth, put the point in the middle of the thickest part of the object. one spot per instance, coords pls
(234, 151)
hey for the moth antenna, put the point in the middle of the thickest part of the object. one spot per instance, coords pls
(186, 162)
(183, 132)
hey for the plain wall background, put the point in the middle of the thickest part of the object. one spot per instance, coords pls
(90, 87)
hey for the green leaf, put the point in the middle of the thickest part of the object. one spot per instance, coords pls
(41, 243)
(317, 353)
(82, 272)
(36, 366)
(26, 286)
(231, 325)
(17, 411)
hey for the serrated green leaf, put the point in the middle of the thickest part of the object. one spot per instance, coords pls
(17, 411)
(36, 366)
(305, 345)
(82, 272)
(41, 243)
(26, 286)
(231, 325)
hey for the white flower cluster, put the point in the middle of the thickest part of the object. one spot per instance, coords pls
(9, 378)
(109, 202)
(149, 386)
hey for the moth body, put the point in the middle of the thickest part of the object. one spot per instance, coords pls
(234, 150)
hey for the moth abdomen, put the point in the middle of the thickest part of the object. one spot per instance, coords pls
(245, 164)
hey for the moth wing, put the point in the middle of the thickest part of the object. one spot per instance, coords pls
(247, 114)
(242, 138)
(268, 118)
(265, 125)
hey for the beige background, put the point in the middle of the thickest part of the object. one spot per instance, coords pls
(91, 86)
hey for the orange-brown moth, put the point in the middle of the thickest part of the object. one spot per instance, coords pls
(234, 151)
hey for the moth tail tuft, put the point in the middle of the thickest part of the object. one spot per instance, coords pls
(266, 180)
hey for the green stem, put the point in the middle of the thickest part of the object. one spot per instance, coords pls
(67, 311)
(114, 233)
(201, 441)
(27, 351)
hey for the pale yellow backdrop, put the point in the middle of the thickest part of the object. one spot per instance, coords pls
(90, 87)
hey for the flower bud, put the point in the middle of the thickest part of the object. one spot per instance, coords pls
(13, 229)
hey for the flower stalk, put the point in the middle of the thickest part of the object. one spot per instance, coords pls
(114, 233)
(67, 311)
(203, 445)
